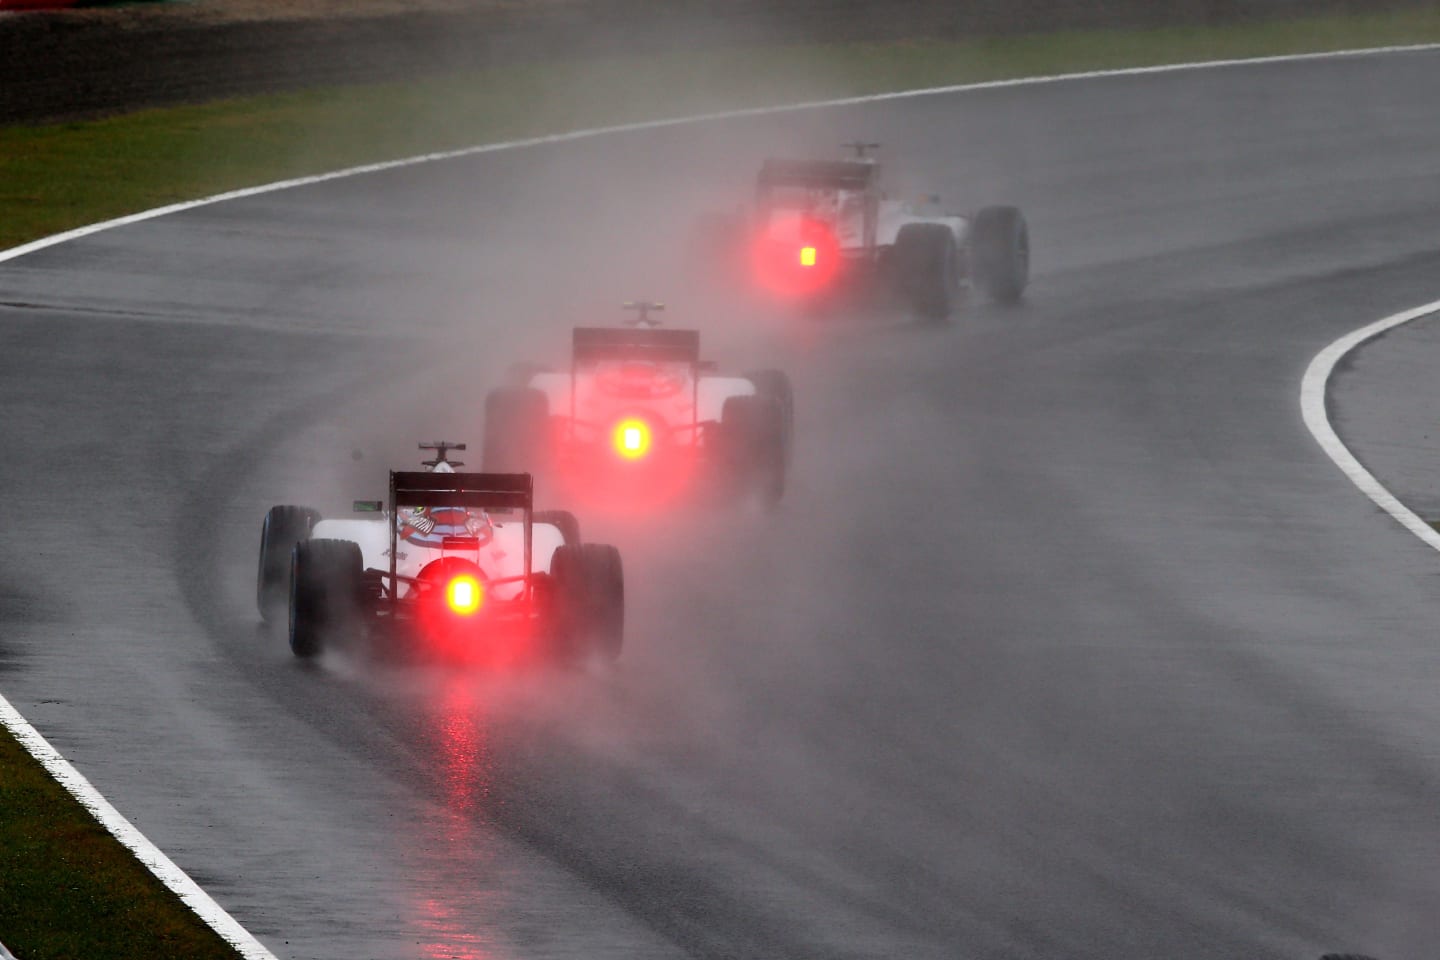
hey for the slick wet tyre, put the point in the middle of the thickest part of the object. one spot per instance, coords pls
(326, 585)
(283, 527)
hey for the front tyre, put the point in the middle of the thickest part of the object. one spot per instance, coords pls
(283, 527)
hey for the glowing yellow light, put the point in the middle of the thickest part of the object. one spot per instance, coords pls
(632, 439)
(464, 595)
(807, 256)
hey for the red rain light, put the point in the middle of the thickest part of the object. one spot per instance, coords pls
(796, 259)
(632, 438)
(464, 595)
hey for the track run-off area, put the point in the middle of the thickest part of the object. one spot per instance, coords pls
(1068, 641)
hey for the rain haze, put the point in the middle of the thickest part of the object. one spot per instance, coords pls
(1066, 639)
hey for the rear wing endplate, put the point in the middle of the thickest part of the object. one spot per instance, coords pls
(594, 344)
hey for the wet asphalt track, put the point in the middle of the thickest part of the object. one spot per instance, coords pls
(1068, 643)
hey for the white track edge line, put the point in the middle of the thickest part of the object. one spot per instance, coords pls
(180, 882)
(1315, 409)
(591, 132)
(164, 869)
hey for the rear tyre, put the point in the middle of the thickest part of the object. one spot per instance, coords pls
(326, 585)
(1000, 253)
(752, 430)
(283, 527)
(515, 428)
(565, 520)
(927, 268)
(775, 385)
(589, 584)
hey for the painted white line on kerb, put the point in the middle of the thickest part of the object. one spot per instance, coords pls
(59, 238)
(1317, 417)
(146, 852)
(176, 879)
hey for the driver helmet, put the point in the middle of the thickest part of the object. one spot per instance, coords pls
(477, 523)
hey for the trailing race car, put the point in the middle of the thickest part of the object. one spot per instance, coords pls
(638, 413)
(461, 561)
(824, 230)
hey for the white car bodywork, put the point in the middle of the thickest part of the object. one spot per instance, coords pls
(500, 556)
(824, 232)
(844, 211)
(895, 214)
(679, 398)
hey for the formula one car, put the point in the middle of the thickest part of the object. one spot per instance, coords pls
(639, 413)
(822, 231)
(459, 560)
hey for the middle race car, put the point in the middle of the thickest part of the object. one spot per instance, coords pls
(822, 231)
(638, 416)
(461, 562)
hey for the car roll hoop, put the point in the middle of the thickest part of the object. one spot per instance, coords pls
(862, 148)
(642, 310)
(442, 449)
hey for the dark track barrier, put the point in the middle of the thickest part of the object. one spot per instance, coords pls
(11, 5)
(73, 64)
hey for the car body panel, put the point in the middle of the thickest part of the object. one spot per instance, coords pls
(692, 401)
(500, 555)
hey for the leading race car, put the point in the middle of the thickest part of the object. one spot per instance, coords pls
(460, 561)
(638, 414)
(822, 231)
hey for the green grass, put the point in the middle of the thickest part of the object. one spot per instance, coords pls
(60, 176)
(66, 889)
(69, 890)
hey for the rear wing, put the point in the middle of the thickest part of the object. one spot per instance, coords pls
(594, 344)
(479, 491)
(471, 491)
(817, 174)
